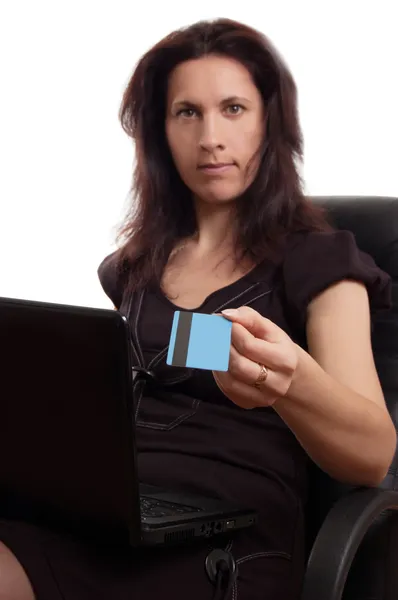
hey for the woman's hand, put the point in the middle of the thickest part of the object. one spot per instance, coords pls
(257, 341)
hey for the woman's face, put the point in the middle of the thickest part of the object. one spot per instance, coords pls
(214, 126)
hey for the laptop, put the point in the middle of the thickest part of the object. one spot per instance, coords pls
(67, 433)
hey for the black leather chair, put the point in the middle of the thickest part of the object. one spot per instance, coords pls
(353, 533)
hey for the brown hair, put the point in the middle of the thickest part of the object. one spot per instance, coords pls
(162, 212)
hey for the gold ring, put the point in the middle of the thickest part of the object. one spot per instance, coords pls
(262, 376)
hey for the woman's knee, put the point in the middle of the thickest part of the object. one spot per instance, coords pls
(14, 583)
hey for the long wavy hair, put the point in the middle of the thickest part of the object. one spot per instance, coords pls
(162, 210)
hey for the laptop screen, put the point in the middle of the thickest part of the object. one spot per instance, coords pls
(65, 413)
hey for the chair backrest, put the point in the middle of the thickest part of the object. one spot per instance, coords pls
(374, 222)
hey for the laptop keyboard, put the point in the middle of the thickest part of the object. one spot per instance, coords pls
(155, 508)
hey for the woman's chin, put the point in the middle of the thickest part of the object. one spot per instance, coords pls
(220, 196)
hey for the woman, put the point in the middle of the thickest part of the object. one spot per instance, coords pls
(220, 224)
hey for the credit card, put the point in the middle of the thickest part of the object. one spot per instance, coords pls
(199, 341)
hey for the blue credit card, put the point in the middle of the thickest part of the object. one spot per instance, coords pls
(199, 341)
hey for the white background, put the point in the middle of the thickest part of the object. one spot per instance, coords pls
(65, 164)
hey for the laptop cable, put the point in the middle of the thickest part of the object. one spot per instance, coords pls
(222, 571)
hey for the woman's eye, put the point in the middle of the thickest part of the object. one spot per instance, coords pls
(186, 112)
(189, 113)
(235, 109)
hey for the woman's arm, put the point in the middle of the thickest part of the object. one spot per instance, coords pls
(331, 397)
(335, 404)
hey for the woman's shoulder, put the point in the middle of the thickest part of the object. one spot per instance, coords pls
(111, 277)
(315, 260)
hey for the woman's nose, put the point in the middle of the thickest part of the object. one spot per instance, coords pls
(211, 135)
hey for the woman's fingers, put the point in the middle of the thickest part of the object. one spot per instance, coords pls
(240, 393)
(257, 341)
(257, 350)
(242, 368)
(256, 324)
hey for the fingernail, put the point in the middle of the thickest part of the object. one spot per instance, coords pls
(230, 312)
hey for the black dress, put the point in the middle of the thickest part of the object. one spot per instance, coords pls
(191, 436)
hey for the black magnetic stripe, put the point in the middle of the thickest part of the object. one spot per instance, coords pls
(182, 339)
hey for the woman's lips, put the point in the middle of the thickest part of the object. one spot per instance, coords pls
(216, 169)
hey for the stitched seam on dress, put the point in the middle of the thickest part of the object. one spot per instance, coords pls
(176, 421)
(177, 380)
(263, 555)
(128, 314)
(140, 394)
(257, 297)
(129, 306)
(235, 298)
(163, 426)
(136, 327)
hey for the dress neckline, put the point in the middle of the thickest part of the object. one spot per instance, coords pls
(251, 277)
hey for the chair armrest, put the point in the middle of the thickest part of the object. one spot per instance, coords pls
(339, 538)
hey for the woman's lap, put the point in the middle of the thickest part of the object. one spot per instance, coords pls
(61, 568)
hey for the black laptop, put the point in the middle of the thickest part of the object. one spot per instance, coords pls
(67, 434)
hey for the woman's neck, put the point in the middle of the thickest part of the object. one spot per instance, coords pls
(216, 227)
